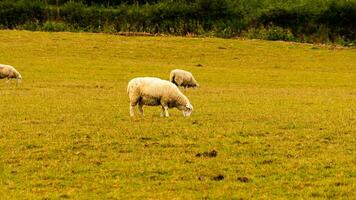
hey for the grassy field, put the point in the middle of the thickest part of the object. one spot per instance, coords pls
(281, 117)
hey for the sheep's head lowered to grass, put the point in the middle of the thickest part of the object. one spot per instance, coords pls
(187, 109)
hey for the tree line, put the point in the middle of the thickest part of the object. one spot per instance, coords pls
(291, 20)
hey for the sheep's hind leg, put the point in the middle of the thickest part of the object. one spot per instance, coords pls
(132, 108)
(162, 112)
(132, 113)
(134, 100)
(140, 105)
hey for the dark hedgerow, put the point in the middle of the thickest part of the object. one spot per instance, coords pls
(13, 13)
(340, 18)
(311, 20)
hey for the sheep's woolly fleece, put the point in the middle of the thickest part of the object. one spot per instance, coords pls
(155, 92)
(7, 71)
(183, 78)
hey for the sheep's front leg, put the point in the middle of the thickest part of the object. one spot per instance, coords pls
(165, 110)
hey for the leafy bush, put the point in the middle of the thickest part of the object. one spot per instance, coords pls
(54, 26)
(270, 33)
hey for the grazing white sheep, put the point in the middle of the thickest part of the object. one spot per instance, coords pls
(9, 72)
(183, 78)
(157, 92)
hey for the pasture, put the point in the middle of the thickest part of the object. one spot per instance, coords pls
(281, 117)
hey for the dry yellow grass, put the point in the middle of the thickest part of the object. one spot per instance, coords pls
(281, 117)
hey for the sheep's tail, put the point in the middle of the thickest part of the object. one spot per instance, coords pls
(130, 86)
(128, 89)
(172, 77)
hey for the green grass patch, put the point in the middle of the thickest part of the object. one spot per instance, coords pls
(281, 117)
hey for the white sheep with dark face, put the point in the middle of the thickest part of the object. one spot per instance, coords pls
(157, 92)
(183, 78)
(9, 72)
